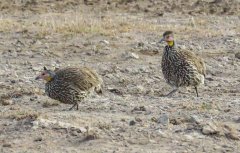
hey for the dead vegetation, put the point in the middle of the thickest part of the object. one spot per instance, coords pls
(20, 115)
(118, 39)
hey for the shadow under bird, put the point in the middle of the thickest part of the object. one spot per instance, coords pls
(181, 68)
(71, 85)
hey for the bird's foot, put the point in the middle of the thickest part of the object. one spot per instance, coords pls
(76, 104)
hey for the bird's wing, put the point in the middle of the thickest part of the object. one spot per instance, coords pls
(197, 61)
(83, 78)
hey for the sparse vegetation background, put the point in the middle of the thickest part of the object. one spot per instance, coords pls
(119, 39)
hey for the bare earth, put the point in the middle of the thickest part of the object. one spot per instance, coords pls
(119, 39)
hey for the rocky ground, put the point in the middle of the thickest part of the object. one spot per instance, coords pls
(119, 39)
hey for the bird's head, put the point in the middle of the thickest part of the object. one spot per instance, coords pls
(168, 37)
(46, 74)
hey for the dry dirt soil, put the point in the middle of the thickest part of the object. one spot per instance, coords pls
(119, 39)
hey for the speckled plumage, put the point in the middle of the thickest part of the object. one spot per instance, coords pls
(182, 68)
(72, 85)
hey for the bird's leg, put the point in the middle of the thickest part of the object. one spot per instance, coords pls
(74, 106)
(196, 91)
(75, 103)
(171, 93)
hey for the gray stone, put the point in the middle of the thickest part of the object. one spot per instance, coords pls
(129, 55)
(163, 119)
(104, 42)
(195, 119)
(210, 128)
(237, 55)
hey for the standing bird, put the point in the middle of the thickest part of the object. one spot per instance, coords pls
(71, 85)
(181, 68)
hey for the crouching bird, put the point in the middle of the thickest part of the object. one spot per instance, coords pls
(71, 85)
(181, 68)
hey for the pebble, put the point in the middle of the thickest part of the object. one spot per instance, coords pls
(38, 139)
(188, 137)
(132, 122)
(236, 119)
(163, 119)
(129, 55)
(104, 42)
(7, 102)
(233, 136)
(37, 68)
(7, 145)
(137, 89)
(237, 55)
(140, 108)
(195, 119)
(162, 134)
(210, 128)
(138, 119)
(134, 55)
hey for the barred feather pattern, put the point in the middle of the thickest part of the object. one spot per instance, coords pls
(182, 68)
(71, 85)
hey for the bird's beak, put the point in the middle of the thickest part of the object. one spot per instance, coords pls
(161, 40)
(37, 78)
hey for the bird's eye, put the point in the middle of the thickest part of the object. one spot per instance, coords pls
(43, 73)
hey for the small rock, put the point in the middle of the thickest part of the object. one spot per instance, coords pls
(140, 44)
(140, 108)
(210, 128)
(153, 119)
(131, 123)
(33, 98)
(237, 55)
(129, 55)
(123, 120)
(134, 55)
(163, 119)
(74, 133)
(116, 91)
(13, 81)
(104, 42)
(138, 119)
(188, 137)
(198, 135)
(177, 120)
(162, 134)
(38, 139)
(227, 110)
(137, 89)
(7, 102)
(7, 145)
(232, 135)
(195, 119)
(236, 119)
(37, 68)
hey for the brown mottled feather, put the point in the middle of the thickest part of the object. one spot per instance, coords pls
(197, 61)
(83, 78)
(71, 85)
(182, 68)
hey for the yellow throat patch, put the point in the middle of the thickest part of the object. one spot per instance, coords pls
(48, 78)
(170, 43)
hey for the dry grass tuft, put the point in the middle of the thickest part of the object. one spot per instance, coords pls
(50, 104)
(20, 115)
(111, 25)
(9, 25)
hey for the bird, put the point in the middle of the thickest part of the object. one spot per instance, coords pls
(71, 85)
(181, 68)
